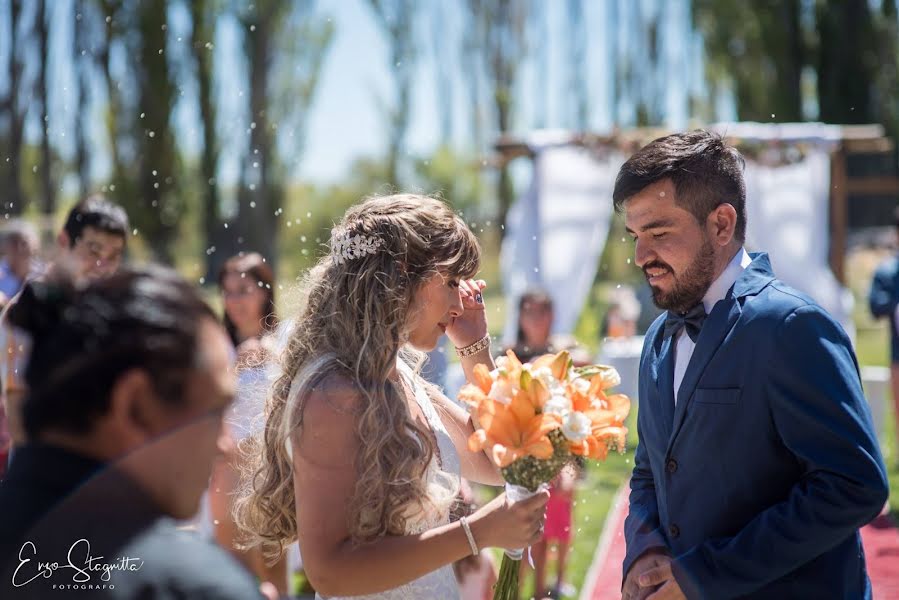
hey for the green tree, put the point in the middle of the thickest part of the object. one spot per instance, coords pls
(83, 59)
(47, 187)
(887, 76)
(501, 29)
(454, 177)
(285, 49)
(444, 75)
(12, 112)
(147, 185)
(577, 65)
(758, 49)
(847, 60)
(397, 19)
(203, 19)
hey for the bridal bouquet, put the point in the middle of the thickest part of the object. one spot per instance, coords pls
(533, 418)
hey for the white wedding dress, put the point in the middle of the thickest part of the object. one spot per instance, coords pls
(443, 484)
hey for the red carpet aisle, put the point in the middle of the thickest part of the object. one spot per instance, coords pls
(603, 580)
(881, 541)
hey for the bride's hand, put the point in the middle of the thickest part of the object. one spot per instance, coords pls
(503, 524)
(471, 326)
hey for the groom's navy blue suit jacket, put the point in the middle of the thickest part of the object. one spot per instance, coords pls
(757, 481)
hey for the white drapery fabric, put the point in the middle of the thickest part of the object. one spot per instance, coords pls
(556, 231)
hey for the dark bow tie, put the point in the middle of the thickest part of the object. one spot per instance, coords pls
(692, 321)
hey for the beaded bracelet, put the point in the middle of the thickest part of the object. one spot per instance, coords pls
(468, 534)
(472, 349)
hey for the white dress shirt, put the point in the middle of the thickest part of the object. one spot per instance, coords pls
(683, 345)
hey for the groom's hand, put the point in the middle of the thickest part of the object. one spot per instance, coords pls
(631, 590)
(661, 576)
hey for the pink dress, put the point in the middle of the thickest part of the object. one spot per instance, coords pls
(558, 515)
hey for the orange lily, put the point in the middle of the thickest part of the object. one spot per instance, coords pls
(533, 390)
(607, 428)
(514, 431)
(558, 363)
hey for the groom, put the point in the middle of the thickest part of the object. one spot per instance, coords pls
(757, 462)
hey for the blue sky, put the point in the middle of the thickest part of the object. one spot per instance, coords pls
(347, 119)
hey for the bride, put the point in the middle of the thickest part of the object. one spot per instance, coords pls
(360, 458)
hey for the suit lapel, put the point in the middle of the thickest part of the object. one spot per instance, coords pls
(664, 371)
(716, 327)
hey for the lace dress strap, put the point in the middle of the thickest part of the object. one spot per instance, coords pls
(449, 458)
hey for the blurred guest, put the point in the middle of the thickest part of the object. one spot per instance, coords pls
(90, 245)
(557, 534)
(247, 286)
(624, 310)
(884, 302)
(535, 321)
(93, 238)
(20, 246)
(128, 379)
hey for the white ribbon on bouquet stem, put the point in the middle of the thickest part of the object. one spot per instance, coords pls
(517, 493)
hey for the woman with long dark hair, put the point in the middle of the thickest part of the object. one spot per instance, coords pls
(247, 286)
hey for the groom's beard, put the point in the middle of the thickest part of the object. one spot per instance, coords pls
(690, 286)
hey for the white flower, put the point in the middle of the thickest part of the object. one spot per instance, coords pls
(501, 392)
(582, 385)
(502, 362)
(545, 375)
(576, 426)
(557, 405)
(611, 378)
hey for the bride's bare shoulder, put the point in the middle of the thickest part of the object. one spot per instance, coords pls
(327, 437)
(335, 392)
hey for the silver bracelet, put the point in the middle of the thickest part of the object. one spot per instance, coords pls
(467, 530)
(481, 344)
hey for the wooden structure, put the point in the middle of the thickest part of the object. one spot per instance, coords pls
(853, 141)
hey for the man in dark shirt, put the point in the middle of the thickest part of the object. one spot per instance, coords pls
(883, 299)
(127, 382)
(90, 245)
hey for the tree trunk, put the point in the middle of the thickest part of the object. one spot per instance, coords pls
(48, 190)
(82, 68)
(578, 65)
(443, 75)
(203, 33)
(256, 221)
(789, 75)
(156, 206)
(844, 61)
(110, 12)
(505, 193)
(14, 202)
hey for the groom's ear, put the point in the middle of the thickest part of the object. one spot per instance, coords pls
(722, 223)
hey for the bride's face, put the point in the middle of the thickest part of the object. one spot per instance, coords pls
(436, 303)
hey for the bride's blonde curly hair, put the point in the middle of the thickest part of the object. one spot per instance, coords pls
(354, 324)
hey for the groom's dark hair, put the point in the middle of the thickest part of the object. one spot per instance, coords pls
(705, 171)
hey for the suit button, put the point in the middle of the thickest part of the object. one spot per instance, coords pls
(671, 465)
(674, 531)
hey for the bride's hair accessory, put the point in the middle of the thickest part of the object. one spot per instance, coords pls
(345, 247)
